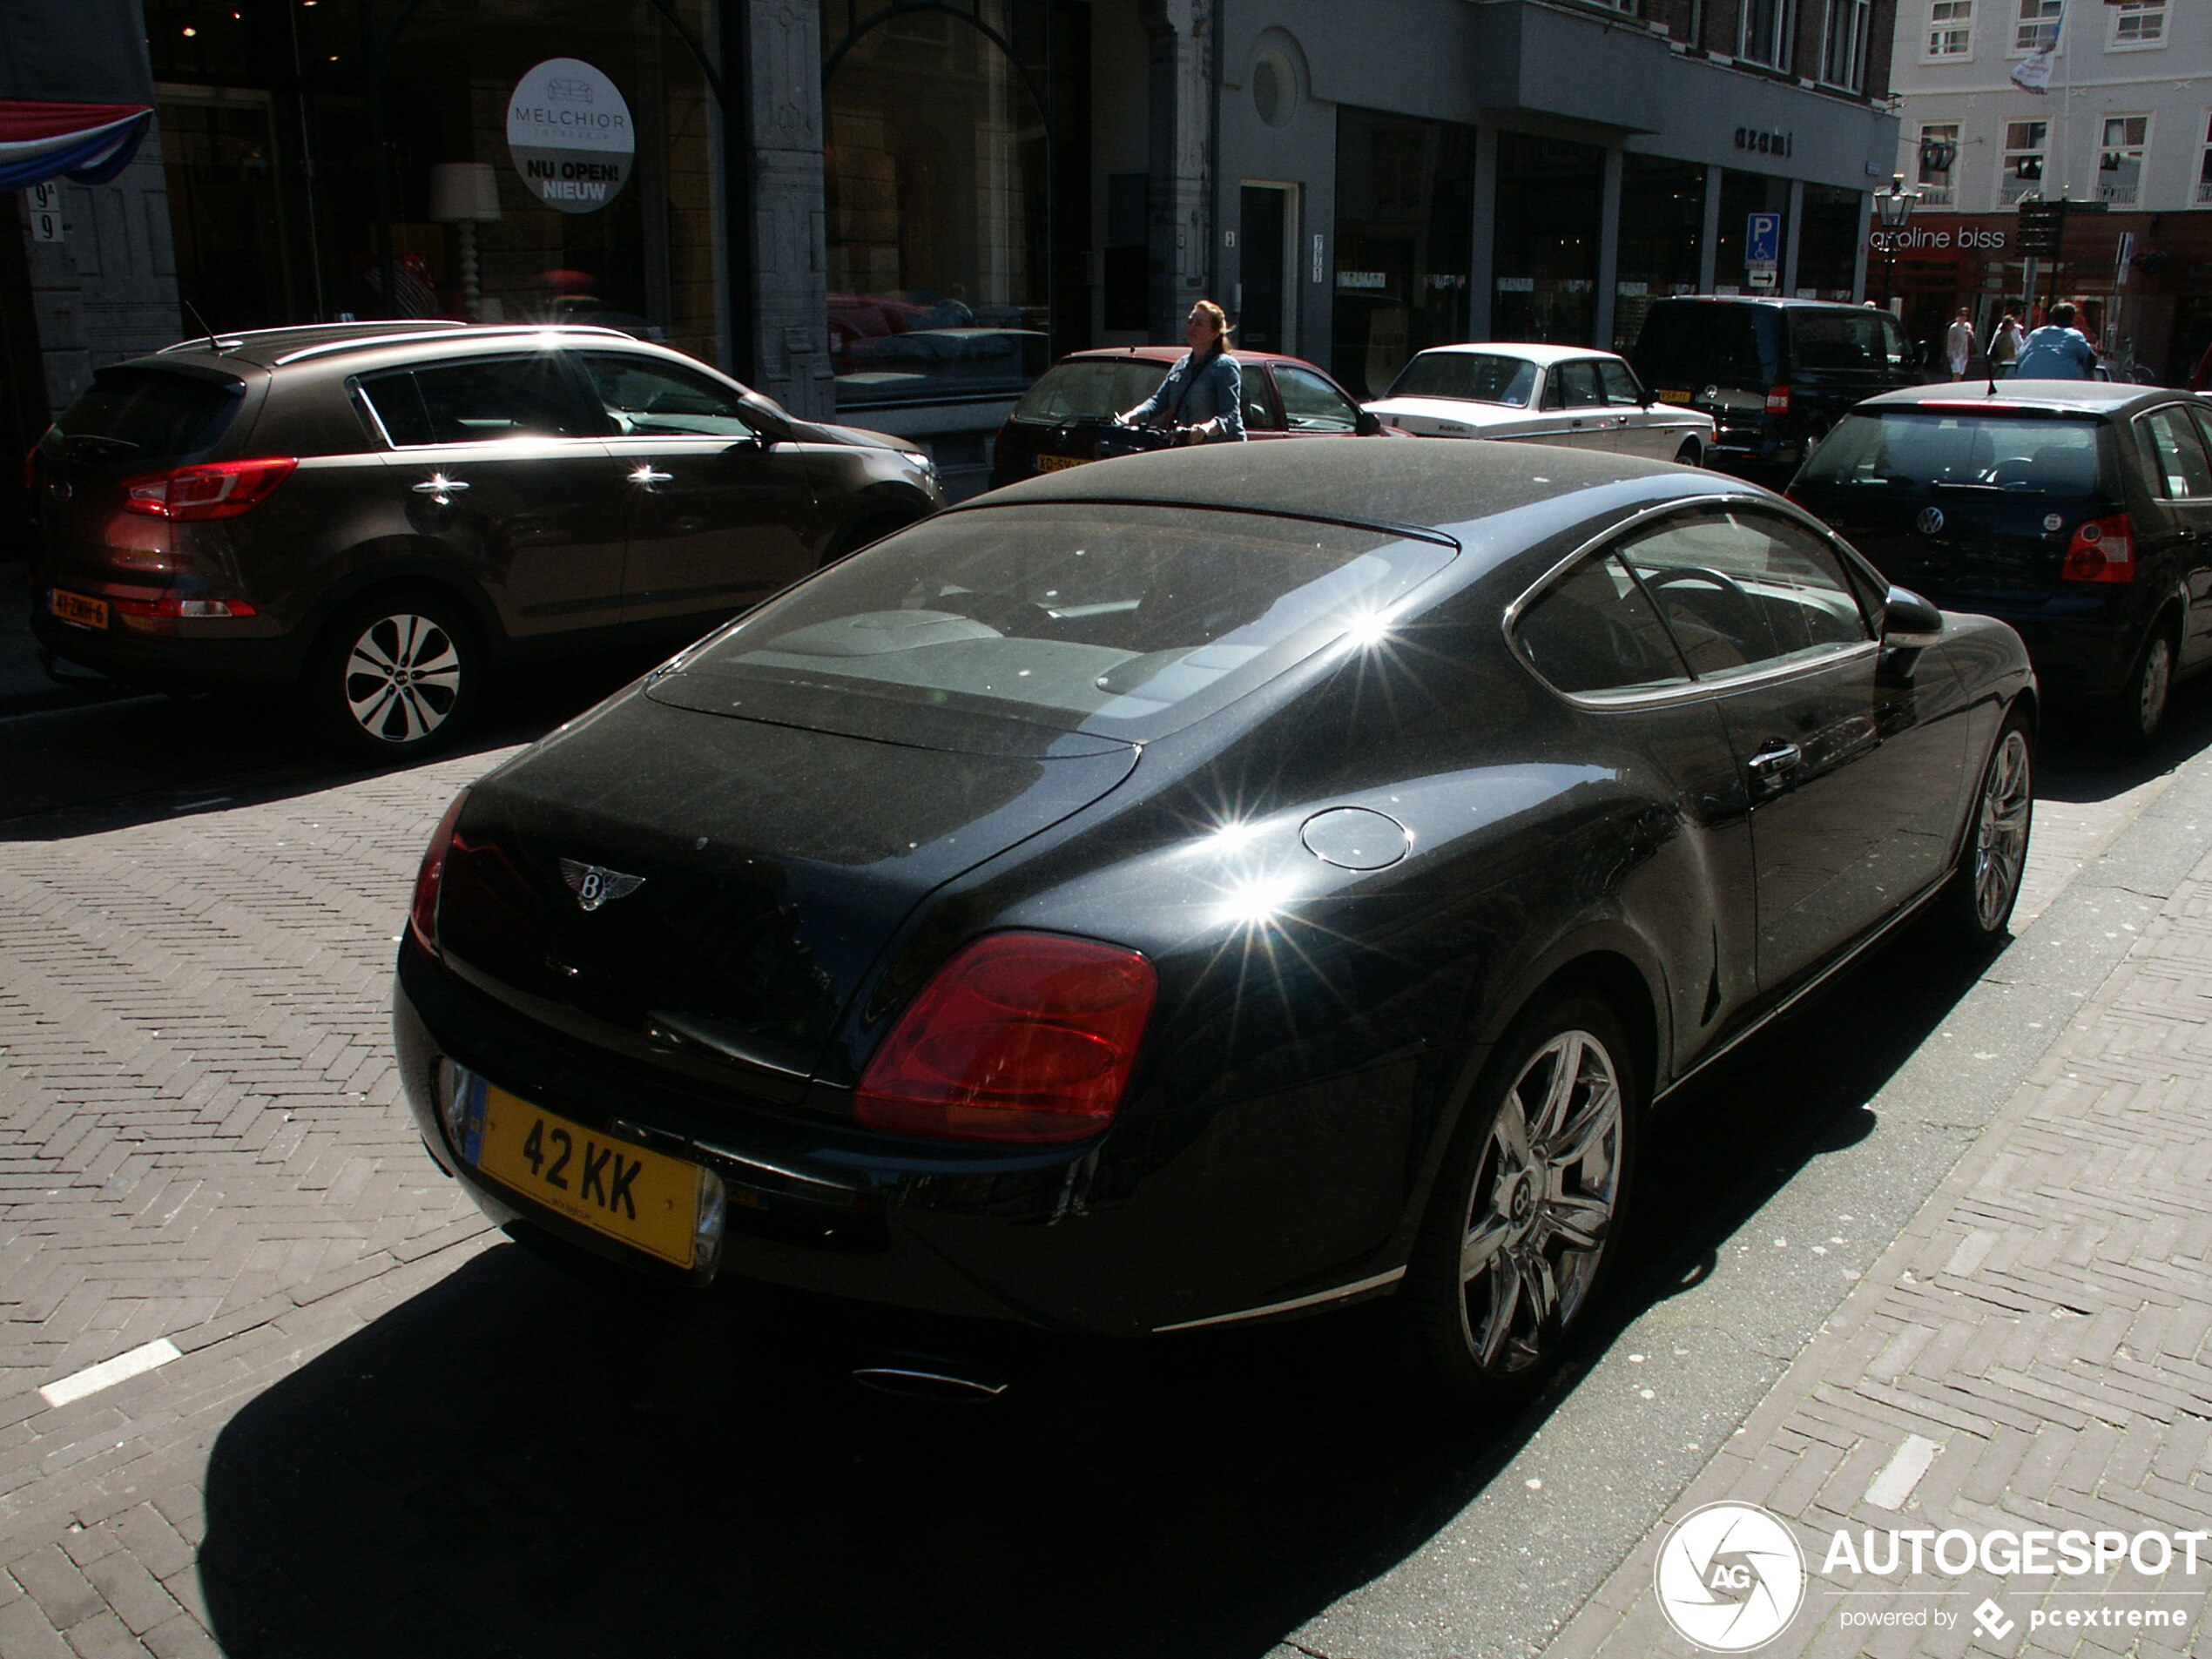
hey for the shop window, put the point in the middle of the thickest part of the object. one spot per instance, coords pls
(1545, 241)
(2119, 159)
(1936, 163)
(2036, 28)
(1763, 36)
(1404, 206)
(1843, 53)
(1662, 226)
(2133, 23)
(2204, 165)
(1828, 241)
(2025, 143)
(1951, 29)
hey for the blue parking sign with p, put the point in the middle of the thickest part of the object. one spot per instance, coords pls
(1763, 239)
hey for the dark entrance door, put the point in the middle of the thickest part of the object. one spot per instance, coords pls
(1263, 229)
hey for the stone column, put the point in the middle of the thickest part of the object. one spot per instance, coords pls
(1709, 241)
(1609, 249)
(776, 127)
(1181, 36)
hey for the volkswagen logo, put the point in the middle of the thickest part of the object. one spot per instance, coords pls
(595, 885)
(1930, 520)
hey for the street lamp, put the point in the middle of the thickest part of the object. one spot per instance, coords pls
(1894, 208)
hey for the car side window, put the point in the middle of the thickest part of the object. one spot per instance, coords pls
(1593, 631)
(648, 399)
(2182, 470)
(480, 401)
(1578, 384)
(1259, 403)
(1311, 404)
(1620, 388)
(1743, 592)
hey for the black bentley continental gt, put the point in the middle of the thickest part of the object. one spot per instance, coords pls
(1223, 884)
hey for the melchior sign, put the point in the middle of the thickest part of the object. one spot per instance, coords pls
(571, 134)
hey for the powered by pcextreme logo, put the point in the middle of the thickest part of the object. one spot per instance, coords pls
(1730, 1577)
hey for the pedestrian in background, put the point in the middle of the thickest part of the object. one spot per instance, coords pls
(2004, 346)
(1204, 394)
(2057, 351)
(1958, 344)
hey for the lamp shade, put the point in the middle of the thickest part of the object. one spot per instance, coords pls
(463, 192)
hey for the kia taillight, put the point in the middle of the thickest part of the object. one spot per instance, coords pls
(2103, 549)
(422, 913)
(1020, 1037)
(175, 605)
(219, 489)
(1777, 400)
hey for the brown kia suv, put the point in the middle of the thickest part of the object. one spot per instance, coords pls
(384, 516)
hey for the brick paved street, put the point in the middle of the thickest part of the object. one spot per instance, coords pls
(363, 1427)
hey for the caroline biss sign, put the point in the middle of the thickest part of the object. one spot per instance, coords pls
(571, 134)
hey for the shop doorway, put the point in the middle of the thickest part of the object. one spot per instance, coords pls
(227, 212)
(1267, 238)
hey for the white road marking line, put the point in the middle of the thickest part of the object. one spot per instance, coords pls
(1894, 1484)
(109, 1373)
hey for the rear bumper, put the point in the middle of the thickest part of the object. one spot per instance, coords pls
(2083, 645)
(191, 653)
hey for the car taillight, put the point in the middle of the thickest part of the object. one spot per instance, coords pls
(1777, 400)
(422, 913)
(174, 605)
(2103, 549)
(1021, 1037)
(219, 489)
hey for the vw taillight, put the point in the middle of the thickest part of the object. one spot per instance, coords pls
(2103, 549)
(1020, 1037)
(219, 489)
(422, 913)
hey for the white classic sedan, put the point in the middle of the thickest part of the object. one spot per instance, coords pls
(1568, 395)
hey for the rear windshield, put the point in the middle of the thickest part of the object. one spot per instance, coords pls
(1124, 623)
(1696, 342)
(133, 412)
(1861, 340)
(1473, 377)
(1092, 390)
(1926, 450)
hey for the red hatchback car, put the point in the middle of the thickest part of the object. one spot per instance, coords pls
(1060, 419)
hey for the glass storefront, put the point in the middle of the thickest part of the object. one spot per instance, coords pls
(938, 177)
(1662, 226)
(258, 102)
(1405, 194)
(1550, 197)
(1828, 243)
(1742, 195)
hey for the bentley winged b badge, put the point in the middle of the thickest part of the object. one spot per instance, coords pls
(595, 885)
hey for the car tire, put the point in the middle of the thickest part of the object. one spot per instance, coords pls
(1525, 1221)
(2139, 713)
(1689, 454)
(1993, 855)
(394, 675)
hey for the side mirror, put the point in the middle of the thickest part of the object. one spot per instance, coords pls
(1366, 423)
(1915, 353)
(1910, 623)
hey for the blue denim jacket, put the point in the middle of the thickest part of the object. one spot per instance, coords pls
(1216, 389)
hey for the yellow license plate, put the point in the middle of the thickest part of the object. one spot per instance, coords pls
(644, 1199)
(75, 607)
(1673, 397)
(1053, 463)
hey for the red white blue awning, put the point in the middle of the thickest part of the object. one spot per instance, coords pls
(89, 142)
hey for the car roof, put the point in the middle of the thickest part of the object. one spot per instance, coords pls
(1777, 300)
(2091, 396)
(1170, 354)
(1534, 352)
(1431, 486)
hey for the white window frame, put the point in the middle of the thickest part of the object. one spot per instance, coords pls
(1935, 192)
(2140, 150)
(2006, 151)
(1959, 24)
(1785, 18)
(1849, 74)
(2118, 12)
(2035, 16)
(2204, 160)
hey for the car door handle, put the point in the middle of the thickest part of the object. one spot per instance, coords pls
(438, 484)
(1774, 759)
(645, 475)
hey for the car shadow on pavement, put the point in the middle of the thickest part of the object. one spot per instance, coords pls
(522, 1463)
(2078, 762)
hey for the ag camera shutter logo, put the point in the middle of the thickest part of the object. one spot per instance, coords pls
(1730, 1577)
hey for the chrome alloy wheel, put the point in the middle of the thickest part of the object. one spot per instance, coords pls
(2154, 683)
(401, 677)
(2000, 830)
(1544, 1202)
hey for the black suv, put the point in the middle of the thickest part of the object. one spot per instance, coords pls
(1775, 375)
(2080, 512)
(383, 514)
